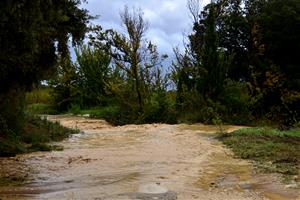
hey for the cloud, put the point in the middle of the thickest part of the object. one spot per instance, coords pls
(168, 19)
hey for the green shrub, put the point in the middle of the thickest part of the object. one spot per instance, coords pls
(40, 109)
(40, 95)
(236, 101)
(35, 135)
(159, 108)
(190, 107)
(75, 109)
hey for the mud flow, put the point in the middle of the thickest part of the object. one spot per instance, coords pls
(147, 162)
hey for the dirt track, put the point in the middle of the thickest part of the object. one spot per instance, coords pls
(156, 161)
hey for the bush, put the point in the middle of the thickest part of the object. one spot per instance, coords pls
(41, 95)
(190, 107)
(35, 135)
(75, 109)
(40, 109)
(235, 101)
(160, 107)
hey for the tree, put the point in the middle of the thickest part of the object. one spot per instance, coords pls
(234, 37)
(65, 84)
(133, 54)
(210, 61)
(93, 66)
(33, 33)
(275, 39)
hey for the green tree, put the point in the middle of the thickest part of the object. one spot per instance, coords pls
(93, 66)
(65, 84)
(275, 65)
(210, 61)
(137, 57)
(32, 34)
(233, 35)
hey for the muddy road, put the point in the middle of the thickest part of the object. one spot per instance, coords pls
(147, 162)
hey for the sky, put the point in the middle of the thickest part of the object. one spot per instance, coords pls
(169, 20)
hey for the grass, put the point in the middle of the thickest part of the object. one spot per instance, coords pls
(112, 114)
(41, 108)
(95, 112)
(36, 136)
(273, 150)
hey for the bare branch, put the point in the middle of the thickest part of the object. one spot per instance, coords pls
(194, 7)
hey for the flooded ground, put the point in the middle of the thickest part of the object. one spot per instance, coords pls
(157, 161)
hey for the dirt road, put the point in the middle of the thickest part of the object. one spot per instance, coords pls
(147, 162)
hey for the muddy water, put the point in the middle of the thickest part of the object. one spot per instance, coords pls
(139, 162)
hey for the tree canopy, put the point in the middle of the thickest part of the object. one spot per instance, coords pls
(32, 35)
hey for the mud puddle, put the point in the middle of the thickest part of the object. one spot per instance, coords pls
(157, 161)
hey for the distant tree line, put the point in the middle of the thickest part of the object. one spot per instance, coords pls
(240, 64)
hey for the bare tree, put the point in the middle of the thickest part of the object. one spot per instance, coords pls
(194, 7)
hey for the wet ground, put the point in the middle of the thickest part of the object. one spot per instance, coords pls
(147, 162)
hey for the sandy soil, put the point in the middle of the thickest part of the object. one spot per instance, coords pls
(153, 161)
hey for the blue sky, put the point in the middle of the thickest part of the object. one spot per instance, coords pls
(169, 20)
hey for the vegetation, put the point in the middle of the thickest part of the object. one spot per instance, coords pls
(240, 65)
(35, 135)
(227, 71)
(33, 35)
(273, 150)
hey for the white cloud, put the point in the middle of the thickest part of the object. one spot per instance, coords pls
(168, 19)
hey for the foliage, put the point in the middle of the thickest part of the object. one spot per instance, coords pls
(39, 95)
(41, 109)
(227, 72)
(34, 137)
(65, 85)
(32, 34)
(32, 29)
(235, 98)
(93, 66)
(160, 107)
(274, 64)
(233, 65)
(137, 58)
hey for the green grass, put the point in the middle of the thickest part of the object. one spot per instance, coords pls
(35, 136)
(112, 114)
(40, 109)
(273, 150)
(95, 112)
